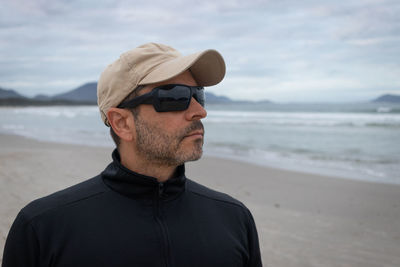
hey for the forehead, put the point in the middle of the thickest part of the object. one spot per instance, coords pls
(183, 78)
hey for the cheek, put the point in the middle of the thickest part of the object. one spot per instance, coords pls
(170, 127)
(146, 110)
(169, 122)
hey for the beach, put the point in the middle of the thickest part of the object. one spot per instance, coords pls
(302, 219)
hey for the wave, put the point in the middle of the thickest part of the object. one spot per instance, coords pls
(305, 119)
(392, 108)
(306, 160)
(364, 143)
(55, 111)
(353, 156)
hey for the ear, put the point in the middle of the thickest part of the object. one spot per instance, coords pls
(122, 122)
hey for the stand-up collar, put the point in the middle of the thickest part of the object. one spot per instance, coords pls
(136, 185)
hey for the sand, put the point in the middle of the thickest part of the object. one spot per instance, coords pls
(302, 219)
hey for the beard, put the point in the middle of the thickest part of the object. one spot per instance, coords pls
(159, 147)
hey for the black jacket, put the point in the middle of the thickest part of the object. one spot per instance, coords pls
(122, 218)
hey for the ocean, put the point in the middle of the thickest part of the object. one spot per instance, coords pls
(355, 140)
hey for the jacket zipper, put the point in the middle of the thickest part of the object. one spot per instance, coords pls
(160, 189)
(163, 229)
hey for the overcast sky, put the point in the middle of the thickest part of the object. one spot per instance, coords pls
(281, 50)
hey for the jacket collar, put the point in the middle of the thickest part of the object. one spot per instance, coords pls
(136, 185)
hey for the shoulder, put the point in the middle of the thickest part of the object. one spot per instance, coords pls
(74, 194)
(207, 193)
(219, 204)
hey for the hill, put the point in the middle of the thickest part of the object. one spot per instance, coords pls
(7, 93)
(388, 99)
(211, 98)
(88, 93)
(85, 94)
(24, 101)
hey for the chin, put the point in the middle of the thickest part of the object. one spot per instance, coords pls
(190, 155)
(190, 151)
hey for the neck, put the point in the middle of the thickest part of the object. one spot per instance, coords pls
(133, 162)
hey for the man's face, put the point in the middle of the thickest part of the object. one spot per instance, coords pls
(170, 138)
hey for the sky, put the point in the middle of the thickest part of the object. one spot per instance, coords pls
(278, 50)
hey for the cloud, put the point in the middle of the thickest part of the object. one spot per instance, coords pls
(294, 47)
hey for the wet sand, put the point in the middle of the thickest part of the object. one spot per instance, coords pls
(302, 219)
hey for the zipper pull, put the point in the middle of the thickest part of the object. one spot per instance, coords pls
(160, 189)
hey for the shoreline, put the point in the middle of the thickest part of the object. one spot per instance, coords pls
(241, 159)
(332, 142)
(321, 171)
(302, 219)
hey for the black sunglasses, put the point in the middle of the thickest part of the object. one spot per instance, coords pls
(169, 97)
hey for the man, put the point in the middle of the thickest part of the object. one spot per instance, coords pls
(142, 210)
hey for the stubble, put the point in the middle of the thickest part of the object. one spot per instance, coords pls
(162, 148)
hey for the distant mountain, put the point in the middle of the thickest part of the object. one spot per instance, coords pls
(84, 93)
(42, 97)
(388, 99)
(88, 93)
(7, 93)
(211, 98)
(24, 101)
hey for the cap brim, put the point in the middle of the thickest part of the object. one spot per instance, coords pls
(207, 67)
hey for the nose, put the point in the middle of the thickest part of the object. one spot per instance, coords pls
(195, 111)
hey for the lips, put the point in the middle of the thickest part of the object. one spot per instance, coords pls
(195, 133)
(195, 130)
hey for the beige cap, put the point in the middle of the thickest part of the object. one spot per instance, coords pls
(153, 63)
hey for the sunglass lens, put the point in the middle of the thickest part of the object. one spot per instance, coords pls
(199, 96)
(175, 99)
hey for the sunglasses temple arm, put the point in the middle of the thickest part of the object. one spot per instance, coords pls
(143, 99)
